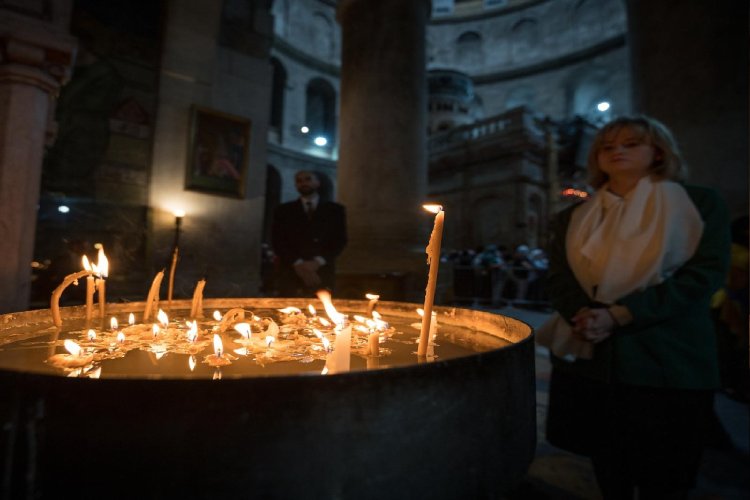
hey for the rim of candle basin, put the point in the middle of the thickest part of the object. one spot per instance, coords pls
(516, 331)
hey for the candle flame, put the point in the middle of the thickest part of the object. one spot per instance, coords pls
(72, 347)
(243, 329)
(86, 264)
(191, 362)
(324, 321)
(317, 333)
(113, 323)
(179, 213)
(333, 314)
(131, 319)
(289, 310)
(362, 328)
(163, 318)
(420, 311)
(192, 333)
(326, 344)
(155, 329)
(324, 371)
(217, 315)
(269, 340)
(120, 337)
(376, 315)
(91, 334)
(433, 208)
(102, 263)
(372, 296)
(242, 351)
(218, 345)
(311, 309)
(359, 318)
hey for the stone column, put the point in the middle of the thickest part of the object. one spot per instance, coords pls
(36, 57)
(690, 70)
(382, 170)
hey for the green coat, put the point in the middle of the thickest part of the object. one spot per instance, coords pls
(671, 340)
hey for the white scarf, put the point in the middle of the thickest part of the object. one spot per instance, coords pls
(617, 245)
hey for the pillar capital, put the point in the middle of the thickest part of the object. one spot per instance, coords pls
(34, 51)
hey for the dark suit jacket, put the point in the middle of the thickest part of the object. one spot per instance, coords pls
(294, 237)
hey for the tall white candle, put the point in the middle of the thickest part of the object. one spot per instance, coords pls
(433, 259)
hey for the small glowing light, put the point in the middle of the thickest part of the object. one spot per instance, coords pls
(324, 321)
(317, 333)
(131, 319)
(311, 309)
(243, 329)
(217, 315)
(63, 209)
(113, 323)
(155, 329)
(304, 129)
(269, 340)
(120, 337)
(242, 351)
(191, 363)
(179, 213)
(163, 318)
(574, 193)
(192, 334)
(372, 296)
(290, 310)
(102, 264)
(362, 328)
(72, 347)
(86, 263)
(218, 346)
(91, 334)
(359, 318)
(602, 106)
(320, 141)
(324, 371)
(432, 208)
(326, 344)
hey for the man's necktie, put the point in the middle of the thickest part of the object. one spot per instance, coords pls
(309, 209)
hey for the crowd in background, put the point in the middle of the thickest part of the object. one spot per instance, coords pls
(497, 275)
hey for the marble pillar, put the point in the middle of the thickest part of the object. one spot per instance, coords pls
(690, 70)
(37, 54)
(382, 169)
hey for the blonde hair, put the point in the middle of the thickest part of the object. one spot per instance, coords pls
(668, 163)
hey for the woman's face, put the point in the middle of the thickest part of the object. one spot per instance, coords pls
(625, 153)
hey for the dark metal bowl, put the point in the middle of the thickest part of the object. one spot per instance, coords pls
(454, 428)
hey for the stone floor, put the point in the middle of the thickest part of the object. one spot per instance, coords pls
(556, 474)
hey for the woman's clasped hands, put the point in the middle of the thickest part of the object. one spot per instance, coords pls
(593, 324)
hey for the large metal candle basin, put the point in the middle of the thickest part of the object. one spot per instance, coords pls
(452, 428)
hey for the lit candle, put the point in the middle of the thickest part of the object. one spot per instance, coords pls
(196, 309)
(339, 360)
(219, 358)
(102, 267)
(373, 301)
(72, 360)
(433, 259)
(152, 301)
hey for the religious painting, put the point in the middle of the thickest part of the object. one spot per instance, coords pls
(218, 152)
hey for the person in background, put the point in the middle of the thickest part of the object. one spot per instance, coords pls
(307, 236)
(633, 349)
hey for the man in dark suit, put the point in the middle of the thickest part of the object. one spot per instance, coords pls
(307, 235)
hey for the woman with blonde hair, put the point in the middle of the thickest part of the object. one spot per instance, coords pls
(631, 275)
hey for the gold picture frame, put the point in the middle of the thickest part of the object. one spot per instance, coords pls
(218, 152)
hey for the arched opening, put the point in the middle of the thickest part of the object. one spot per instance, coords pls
(277, 95)
(320, 110)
